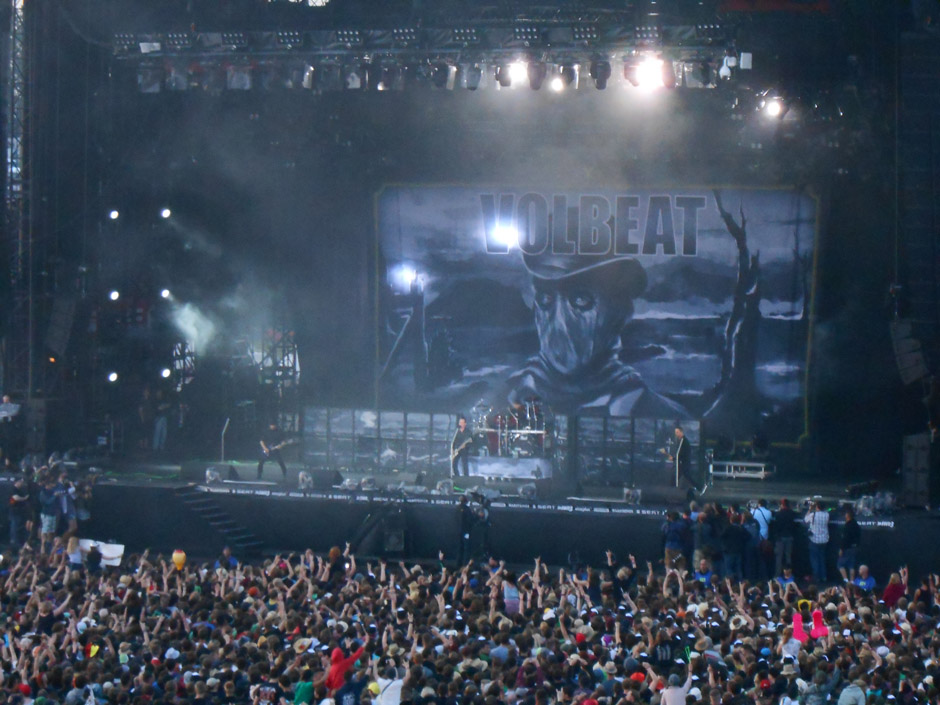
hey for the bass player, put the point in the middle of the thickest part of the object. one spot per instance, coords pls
(460, 448)
(272, 440)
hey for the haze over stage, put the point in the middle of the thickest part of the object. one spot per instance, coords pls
(359, 220)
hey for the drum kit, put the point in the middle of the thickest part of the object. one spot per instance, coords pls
(521, 431)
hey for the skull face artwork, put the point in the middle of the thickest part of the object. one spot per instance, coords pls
(578, 321)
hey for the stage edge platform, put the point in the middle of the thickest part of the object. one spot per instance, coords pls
(571, 505)
(155, 517)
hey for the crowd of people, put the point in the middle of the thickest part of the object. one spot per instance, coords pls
(756, 543)
(47, 504)
(334, 630)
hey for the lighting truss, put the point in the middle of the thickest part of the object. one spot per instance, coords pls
(694, 52)
(493, 41)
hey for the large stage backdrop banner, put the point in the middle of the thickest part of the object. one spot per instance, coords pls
(678, 303)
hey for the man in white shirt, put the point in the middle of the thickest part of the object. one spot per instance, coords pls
(817, 519)
(390, 687)
(676, 691)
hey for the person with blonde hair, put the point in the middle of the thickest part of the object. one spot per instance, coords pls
(896, 588)
(74, 552)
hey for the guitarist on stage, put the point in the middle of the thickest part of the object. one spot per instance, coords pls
(460, 448)
(272, 440)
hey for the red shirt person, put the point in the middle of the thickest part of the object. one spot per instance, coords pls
(340, 664)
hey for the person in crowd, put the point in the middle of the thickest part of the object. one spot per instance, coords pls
(896, 588)
(733, 545)
(784, 529)
(752, 558)
(19, 512)
(763, 516)
(864, 580)
(226, 559)
(848, 546)
(50, 499)
(67, 508)
(817, 520)
(786, 577)
(703, 573)
(73, 551)
(467, 522)
(673, 530)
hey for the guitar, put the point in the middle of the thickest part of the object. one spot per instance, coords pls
(459, 448)
(282, 444)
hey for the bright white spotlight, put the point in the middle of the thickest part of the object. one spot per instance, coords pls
(165, 372)
(112, 376)
(649, 73)
(518, 72)
(114, 215)
(506, 235)
(557, 84)
(165, 294)
(114, 295)
(773, 107)
(403, 276)
(166, 213)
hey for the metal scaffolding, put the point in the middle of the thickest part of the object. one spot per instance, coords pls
(184, 364)
(280, 369)
(18, 351)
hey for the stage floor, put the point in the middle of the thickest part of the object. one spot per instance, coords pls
(659, 495)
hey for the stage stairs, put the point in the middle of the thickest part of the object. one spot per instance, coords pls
(241, 540)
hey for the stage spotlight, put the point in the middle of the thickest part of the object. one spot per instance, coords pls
(772, 107)
(114, 215)
(440, 74)
(702, 72)
(649, 73)
(165, 294)
(536, 72)
(112, 376)
(600, 72)
(166, 213)
(506, 235)
(114, 295)
(518, 72)
(403, 277)
(474, 76)
(353, 77)
(557, 84)
(502, 76)
(390, 78)
(166, 372)
(728, 63)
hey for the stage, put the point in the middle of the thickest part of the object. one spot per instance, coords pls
(148, 505)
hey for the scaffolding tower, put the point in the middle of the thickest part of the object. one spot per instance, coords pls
(18, 354)
(280, 372)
